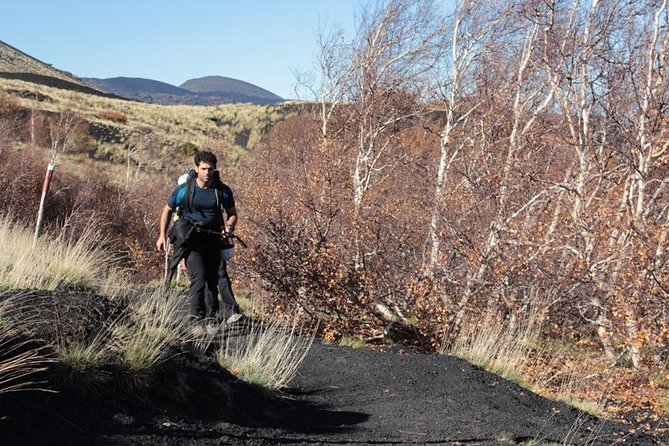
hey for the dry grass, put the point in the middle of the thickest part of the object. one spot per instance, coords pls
(241, 125)
(155, 325)
(517, 354)
(513, 352)
(269, 355)
(499, 347)
(563, 377)
(20, 360)
(159, 322)
(51, 262)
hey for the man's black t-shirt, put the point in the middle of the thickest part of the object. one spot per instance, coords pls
(206, 204)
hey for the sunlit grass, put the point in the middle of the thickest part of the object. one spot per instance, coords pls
(348, 341)
(498, 347)
(50, 263)
(267, 355)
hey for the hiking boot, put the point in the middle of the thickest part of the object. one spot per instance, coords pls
(234, 318)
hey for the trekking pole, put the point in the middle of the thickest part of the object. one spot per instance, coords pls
(167, 258)
(234, 236)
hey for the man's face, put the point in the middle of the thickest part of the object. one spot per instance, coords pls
(205, 172)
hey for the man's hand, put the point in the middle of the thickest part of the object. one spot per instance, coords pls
(229, 232)
(160, 243)
(165, 218)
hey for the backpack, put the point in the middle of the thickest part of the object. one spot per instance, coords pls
(185, 198)
(185, 195)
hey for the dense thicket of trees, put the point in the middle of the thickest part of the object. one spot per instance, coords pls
(506, 159)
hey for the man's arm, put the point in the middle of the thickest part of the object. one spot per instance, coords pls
(165, 219)
(231, 221)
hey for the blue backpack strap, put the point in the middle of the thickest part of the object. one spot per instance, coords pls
(181, 196)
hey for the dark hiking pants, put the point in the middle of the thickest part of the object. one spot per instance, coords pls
(229, 303)
(225, 288)
(203, 263)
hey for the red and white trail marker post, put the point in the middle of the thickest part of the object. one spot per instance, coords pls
(45, 189)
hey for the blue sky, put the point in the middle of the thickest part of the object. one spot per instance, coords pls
(258, 41)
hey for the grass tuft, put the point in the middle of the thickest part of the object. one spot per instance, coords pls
(499, 347)
(20, 358)
(159, 322)
(269, 355)
(50, 263)
(80, 367)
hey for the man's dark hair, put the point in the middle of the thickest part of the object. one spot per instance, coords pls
(206, 157)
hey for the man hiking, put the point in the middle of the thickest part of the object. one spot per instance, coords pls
(202, 204)
(231, 311)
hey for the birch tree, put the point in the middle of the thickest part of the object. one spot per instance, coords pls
(603, 63)
(467, 43)
(395, 46)
(633, 285)
(527, 98)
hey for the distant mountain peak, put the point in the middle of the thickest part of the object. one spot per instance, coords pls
(222, 86)
(209, 90)
(132, 87)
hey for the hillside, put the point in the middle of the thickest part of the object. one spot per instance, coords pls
(13, 60)
(163, 136)
(15, 64)
(210, 90)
